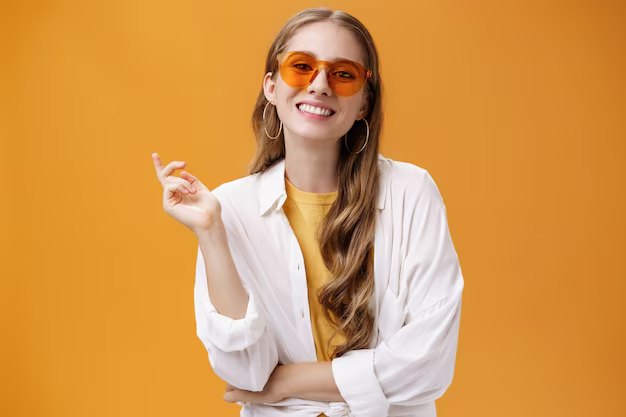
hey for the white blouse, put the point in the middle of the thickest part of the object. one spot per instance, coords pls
(417, 300)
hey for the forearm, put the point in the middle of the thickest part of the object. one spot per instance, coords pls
(310, 381)
(226, 291)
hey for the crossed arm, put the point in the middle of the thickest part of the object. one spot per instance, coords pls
(307, 380)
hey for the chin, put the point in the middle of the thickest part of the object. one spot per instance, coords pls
(314, 135)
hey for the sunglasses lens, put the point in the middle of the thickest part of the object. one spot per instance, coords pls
(299, 69)
(346, 78)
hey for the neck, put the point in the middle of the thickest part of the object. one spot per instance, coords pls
(310, 166)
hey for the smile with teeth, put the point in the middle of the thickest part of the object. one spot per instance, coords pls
(315, 110)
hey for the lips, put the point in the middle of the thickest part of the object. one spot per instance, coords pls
(308, 111)
(320, 105)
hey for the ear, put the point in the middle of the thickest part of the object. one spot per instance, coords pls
(364, 108)
(269, 88)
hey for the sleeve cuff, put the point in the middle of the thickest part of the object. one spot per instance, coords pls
(358, 384)
(225, 333)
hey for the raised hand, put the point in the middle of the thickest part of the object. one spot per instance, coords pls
(185, 198)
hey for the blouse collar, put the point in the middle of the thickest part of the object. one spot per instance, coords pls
(272, 193)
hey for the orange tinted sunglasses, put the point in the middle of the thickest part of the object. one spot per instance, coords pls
(299, 69)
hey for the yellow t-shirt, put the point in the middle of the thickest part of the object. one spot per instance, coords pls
(305, 211)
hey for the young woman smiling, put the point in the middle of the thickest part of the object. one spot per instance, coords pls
(327, 282)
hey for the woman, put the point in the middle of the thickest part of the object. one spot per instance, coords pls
(326, 280)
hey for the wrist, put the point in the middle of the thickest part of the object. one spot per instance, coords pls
(212, 232)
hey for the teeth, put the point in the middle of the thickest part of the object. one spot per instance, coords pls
(314, 110)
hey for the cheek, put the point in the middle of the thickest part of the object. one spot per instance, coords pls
(284, 96)
(350, 106)
(285, 89)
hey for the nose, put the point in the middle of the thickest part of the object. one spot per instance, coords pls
(319, 82)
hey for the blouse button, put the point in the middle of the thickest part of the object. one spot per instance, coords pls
(302, 313)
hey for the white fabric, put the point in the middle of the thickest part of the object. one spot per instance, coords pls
(417, 300)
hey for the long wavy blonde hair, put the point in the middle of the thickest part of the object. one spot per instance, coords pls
(346, 234)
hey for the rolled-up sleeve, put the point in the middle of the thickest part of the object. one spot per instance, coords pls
(242, 352)
(415, 365)
(221, 331)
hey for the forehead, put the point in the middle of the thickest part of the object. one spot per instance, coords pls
(327, 41)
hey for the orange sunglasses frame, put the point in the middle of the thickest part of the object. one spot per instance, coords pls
(281, 58)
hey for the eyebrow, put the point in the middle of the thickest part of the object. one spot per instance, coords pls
(331, 59)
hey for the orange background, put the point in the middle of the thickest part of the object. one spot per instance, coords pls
(517, 109)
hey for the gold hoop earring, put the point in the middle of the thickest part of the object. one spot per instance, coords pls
(366, 139)
(279, 129)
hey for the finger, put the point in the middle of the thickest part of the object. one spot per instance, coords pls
(184, 182)
(163, 173)
(170, 168)
(229, 387)
(195, 182)
(236, 395)
(173, 188)
(157, 164)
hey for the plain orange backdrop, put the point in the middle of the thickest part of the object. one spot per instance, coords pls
(516, 108)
